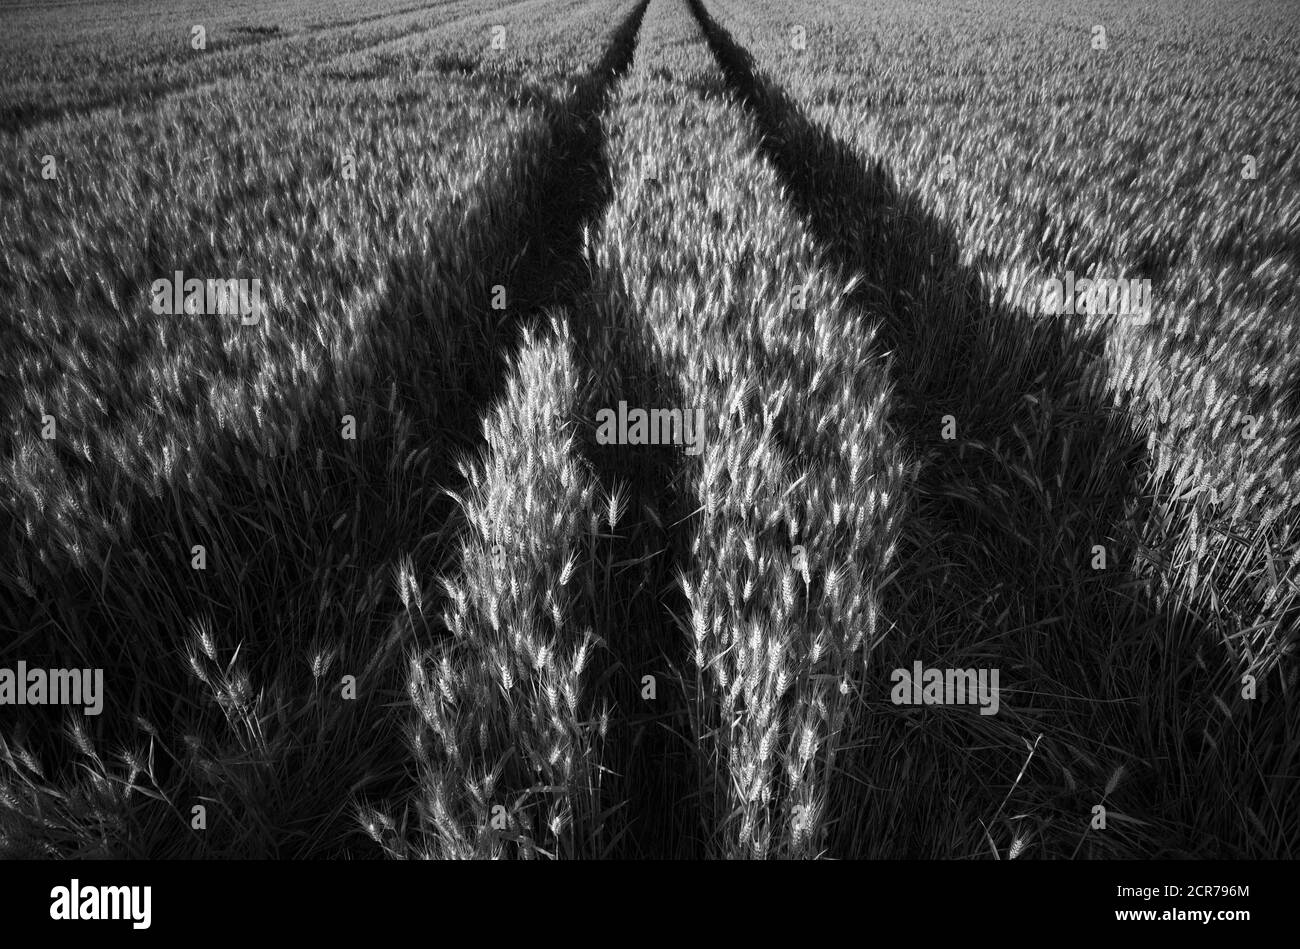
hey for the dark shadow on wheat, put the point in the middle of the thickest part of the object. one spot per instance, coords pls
(650, 549)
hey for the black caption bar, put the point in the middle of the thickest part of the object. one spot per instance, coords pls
(156, 899)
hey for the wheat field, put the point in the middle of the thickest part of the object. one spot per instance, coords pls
(643, 429)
